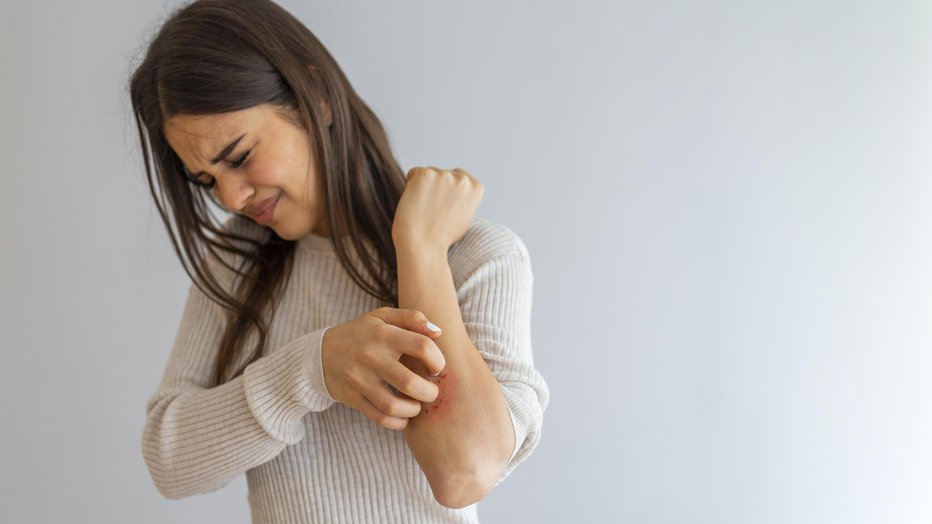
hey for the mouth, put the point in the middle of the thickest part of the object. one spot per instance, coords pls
(264, 211)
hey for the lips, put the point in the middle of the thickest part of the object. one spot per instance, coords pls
(264, 211)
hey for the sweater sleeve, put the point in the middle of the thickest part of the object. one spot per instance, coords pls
(495, 301)
(197, 438)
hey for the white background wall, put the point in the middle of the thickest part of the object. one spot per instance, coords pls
(727, 206)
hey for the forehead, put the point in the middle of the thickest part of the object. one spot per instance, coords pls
(197, 138)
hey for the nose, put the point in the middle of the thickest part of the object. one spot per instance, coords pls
(233, 191)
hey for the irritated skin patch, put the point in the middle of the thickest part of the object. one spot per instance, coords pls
(443, 382)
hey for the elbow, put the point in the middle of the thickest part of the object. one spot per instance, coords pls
(165, 486)
(175, 486)
(463, 483)
(459, 491)
(168, 480)
(159, 468)
(170, 492)
(166, 483)
(176, 464)
(175, 479)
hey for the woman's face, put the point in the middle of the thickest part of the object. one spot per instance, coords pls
(254, 157)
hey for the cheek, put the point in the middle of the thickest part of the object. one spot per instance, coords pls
(265, 174)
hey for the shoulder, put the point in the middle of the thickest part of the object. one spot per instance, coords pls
(485, 243)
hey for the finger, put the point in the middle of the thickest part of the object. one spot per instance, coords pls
(410, 383)
(385, 401)
(415, 322)
(410, 319)
(419, 347)
(469, 176)
(423, 170)
(372, 413)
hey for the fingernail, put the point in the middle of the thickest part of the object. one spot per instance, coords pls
(437, 374)
(433, 327)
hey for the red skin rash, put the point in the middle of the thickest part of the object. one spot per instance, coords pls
(444, 381)
(436, 407)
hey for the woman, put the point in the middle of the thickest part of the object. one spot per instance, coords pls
(305, 357)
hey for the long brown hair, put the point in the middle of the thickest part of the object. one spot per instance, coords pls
(217, 56)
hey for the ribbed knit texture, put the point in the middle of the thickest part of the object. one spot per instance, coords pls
(306, 457)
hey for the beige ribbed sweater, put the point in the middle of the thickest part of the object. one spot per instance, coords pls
(306, 457)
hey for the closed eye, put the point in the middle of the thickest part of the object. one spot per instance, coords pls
(240, 161)
(207, 181)
(201, 181)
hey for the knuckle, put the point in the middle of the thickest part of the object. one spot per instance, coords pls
(397, 409)
(408, 384)
(381, 332)
(419, 171)
(368, 357)
(424, 345)
(354, 381)
(387, 407)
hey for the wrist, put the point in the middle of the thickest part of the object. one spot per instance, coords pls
(409, 247)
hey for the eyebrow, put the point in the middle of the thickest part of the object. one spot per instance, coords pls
(222, 154)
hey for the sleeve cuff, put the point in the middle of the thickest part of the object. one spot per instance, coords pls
(521, 421)
(286, 385)
(314, 370)
(527, 430)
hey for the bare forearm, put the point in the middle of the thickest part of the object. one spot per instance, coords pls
(463, 439)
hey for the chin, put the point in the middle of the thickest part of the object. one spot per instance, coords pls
(286, 233)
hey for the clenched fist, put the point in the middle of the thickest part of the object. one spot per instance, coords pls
(436, 207)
